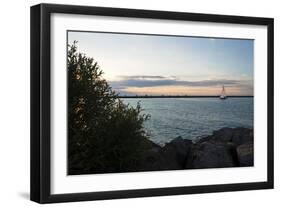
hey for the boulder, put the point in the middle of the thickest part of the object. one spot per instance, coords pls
(242, 135)
(224, 134)
(245, 154)
(237, 135)
(224, 148)
(227, 147)
(211, 154)
(177, 150)
(170, 157)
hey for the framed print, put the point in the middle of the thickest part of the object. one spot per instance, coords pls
(133, 103)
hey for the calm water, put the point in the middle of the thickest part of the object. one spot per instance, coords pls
(192, 117)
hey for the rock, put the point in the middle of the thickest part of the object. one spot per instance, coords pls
(204, 139)
(177, 151)
(227, 147)
(242, 135)
(237, 135)
(224, 134)
(220, 149)
(245, 154)
(170, 157)
(212, 154)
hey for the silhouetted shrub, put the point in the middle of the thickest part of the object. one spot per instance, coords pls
(104, 134)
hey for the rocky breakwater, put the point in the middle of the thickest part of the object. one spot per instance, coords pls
(227, 147)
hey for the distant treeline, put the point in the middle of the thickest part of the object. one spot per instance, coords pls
(184, 96)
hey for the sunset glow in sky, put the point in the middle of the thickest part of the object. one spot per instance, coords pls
(170, 65)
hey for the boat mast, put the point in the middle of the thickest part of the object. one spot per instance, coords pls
(223, 94)
(223, 91)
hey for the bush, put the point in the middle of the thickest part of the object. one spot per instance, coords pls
(104, 134)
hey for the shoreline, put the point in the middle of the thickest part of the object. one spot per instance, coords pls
(226, 147)
(183, 97)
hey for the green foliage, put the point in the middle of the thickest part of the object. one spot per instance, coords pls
(104, 134)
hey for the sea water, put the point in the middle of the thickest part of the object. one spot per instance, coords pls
(191, 118)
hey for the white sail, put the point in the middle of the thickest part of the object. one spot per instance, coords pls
(223, 94)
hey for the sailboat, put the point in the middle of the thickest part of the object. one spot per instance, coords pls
(223, 94)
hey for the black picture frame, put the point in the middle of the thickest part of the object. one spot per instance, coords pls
(40, 102)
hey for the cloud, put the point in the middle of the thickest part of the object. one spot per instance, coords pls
(143, 77)
(153, 81)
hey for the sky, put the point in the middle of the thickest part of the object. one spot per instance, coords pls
(170, 65)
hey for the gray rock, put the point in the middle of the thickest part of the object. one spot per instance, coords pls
(237, 135)
(212, 154)
(177, 150)
(224, 134)
(245, 154)
(219, 149)
(204, 139)
(227, 147)
(170, 157)
(242, 135)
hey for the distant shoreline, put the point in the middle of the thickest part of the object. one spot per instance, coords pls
(183, 96)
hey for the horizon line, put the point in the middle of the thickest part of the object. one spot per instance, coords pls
(183, 96)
